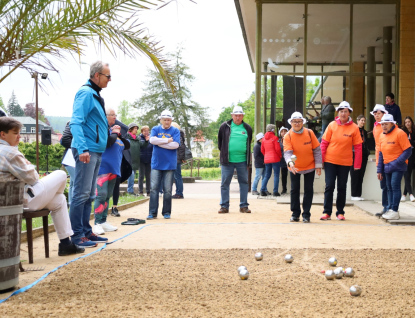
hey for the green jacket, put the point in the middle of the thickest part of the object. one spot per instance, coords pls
(135, 147)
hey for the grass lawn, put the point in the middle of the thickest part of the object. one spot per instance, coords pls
(124, 198)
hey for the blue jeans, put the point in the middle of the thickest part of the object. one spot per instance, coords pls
(71, 171)
(333, 172)
(259, 173)
(130, 188)
(268, 170)
(156, 179)
(393, 184)
(178, 179)
(227, 175)
(385, 202)
(83, 194)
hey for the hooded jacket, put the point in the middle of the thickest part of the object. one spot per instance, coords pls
(258, 156)
(223, 142)
(271, 148)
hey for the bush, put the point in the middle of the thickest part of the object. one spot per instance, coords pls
(55, 154)
(204, 163)
(206, 174)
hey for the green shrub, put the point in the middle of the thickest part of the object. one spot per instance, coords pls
(205, 173)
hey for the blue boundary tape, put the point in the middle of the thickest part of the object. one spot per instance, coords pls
(23, 289)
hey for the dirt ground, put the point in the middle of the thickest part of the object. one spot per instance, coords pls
(205, 283)
(187, 266)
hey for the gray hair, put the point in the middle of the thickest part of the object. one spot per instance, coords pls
(270, 127)
(327, 99)
(96, 67)
(108, 109)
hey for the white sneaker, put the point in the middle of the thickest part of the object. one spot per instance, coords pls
(403, 198)
(362, 199)
(108, 227)
(391, 215)
(412, 198)
(98, 230)
(355, 199)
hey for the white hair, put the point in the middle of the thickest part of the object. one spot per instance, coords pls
(108, 109)
(96, 67)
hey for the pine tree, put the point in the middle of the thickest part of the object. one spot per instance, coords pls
(2, 105)
(14, 108)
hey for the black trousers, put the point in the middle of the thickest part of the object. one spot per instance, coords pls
(356, 178)
(116, 192)
(408, 176)
(284, 173)
(308, 194)
(145, 170)
(332, 173)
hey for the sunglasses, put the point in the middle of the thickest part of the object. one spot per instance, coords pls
(107, 76)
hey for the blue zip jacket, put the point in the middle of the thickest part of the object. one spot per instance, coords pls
(89, 125)
(147, 152)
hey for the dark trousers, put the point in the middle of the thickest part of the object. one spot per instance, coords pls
(308, 194)
(408, 176)
(340, 173)
(356, 178)
(116, 192)
(384, 189)
(284, 173)
(145, 170)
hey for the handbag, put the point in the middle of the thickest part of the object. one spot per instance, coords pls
(187, 154)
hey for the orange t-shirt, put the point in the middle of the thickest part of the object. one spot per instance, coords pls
(341, 139)
(393, 144)
(302, 146)
(377, 130)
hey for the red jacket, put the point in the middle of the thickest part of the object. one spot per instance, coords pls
(271, 148)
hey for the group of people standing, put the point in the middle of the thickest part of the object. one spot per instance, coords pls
(343, 150)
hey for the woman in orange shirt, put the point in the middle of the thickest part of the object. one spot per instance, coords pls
(337, 144)
(394, 151)
(303, 144)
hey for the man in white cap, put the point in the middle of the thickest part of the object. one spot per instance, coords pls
(165, 140)
(378, 113)
(234, 142)
(259, 163)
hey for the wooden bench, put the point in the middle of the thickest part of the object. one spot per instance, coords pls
(29, 215)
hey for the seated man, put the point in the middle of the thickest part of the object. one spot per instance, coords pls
(46, 193)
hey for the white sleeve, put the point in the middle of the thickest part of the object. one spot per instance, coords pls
(158, 141)
(171, 145)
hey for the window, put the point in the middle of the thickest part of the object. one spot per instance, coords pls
(23, 130)
(33, 130)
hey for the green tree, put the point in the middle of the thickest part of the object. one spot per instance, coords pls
(2, 105)
(13, 107)
(55, 154)
(190, 115)
(126, 113)
(34, 34)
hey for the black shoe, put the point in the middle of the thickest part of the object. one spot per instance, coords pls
(177, 196)
(294, 219)
(268, 193)
(284, 191)
(255, 193)
(276, 194)
(379, 214)
(306, 220)
(141, 194)
(70, 249)
(263, 194)
(114, 212)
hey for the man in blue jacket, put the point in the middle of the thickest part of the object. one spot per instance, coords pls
(89, 127)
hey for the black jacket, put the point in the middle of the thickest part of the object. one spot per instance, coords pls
(258, 156)
(66, 139)
(126, 167)
(223, 142)
(181, 151)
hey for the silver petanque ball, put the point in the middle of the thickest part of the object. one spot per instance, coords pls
(293, 158)
(289, 258)
(339, 272)
(259, 256)
(332, 261)
(329, 274)
(355, 290)
(244, 274)
(240, 268)
(349, 272)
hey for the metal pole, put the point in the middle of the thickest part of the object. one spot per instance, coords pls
(258, 58)
(371, 87)
(273, 98)
(387, 59)
(264, 118)
(37, 122)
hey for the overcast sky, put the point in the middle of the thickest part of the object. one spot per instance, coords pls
(210, 34)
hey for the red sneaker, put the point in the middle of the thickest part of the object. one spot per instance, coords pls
(325, 217)
(341, 217)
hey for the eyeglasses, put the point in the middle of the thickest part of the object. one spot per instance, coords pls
(112, 115)
(296, 122)
(107, 76)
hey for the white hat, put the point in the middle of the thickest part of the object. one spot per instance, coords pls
(282, 128)
(379, 107)
(259, 136)
(166, 114)
(387, 118)
(297, 115)
(237, 110)
(343, 105)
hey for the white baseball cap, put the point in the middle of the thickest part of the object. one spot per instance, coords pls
(237, 110)
(259, 136)
(379, 107)
(296, 115)
(343, 105)
(387, 118)
(166, 114)
(281, 129)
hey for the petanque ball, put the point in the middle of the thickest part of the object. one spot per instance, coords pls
(244, 274)
(329, 274)
(338, 272)
(349, 272)
(259, 256)
(355, 290)
(289, 258)
(240, 268)
(332, 261)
